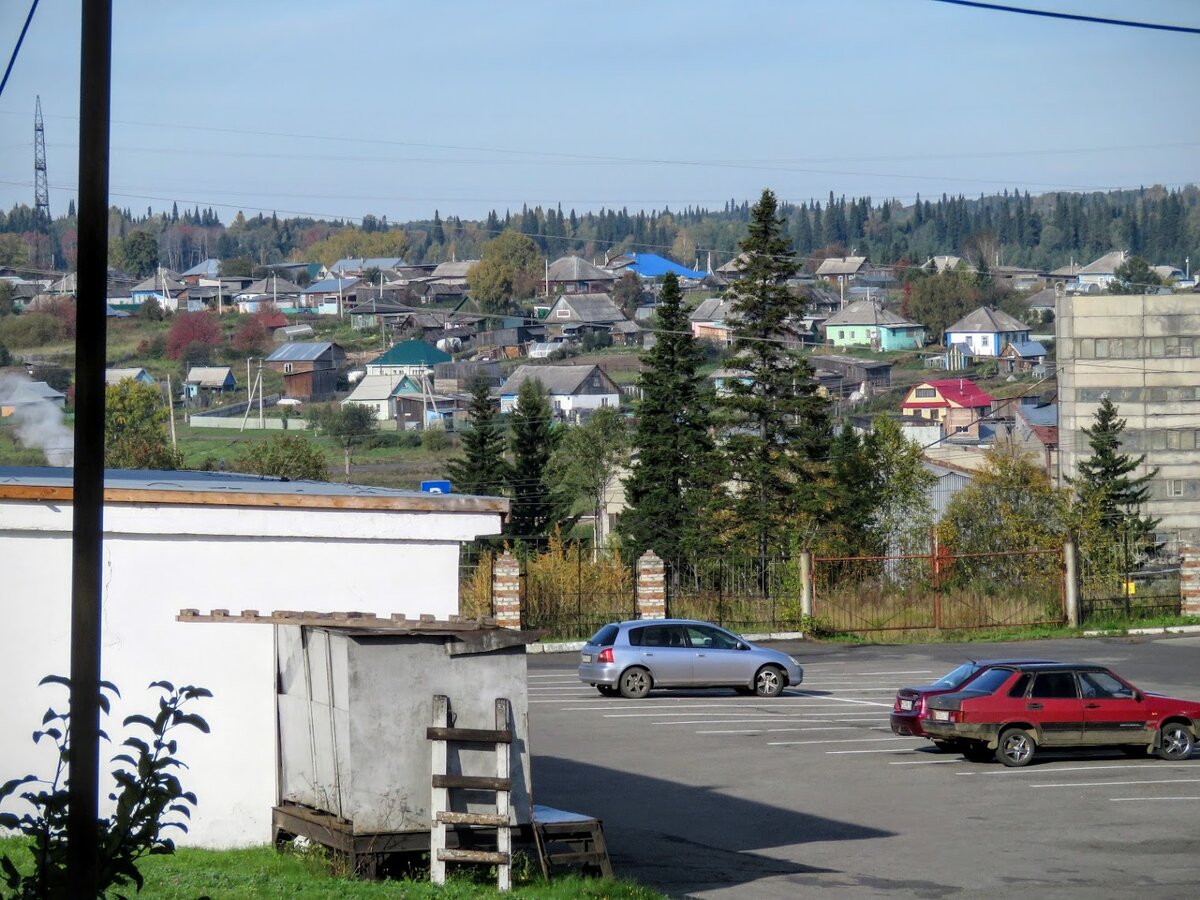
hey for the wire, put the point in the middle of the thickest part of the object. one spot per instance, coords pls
(17, 48)
(1072, 17)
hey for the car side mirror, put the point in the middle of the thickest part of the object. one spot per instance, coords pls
(1137, 695)
(742, 646)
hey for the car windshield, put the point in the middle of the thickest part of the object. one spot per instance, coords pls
(989, 681)
(956, 677)
(605, 636)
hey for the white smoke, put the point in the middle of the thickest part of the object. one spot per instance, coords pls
(40, 425)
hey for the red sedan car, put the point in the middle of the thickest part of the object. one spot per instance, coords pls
(1011, 711)
(910, 705)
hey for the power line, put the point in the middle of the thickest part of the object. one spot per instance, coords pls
(17, 48)
(1072, 17)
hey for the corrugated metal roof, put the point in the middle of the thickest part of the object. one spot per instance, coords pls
(210, 268)
(300, 351)
(591, 308)
(411, 353)
(555, 379)
(575, 268)
(651, 265)
(843, 265)
(331, 285)
(985, 320)
(869, 312)
(210, 376)
(1106, 264)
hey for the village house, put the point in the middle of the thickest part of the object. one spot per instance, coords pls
(867, 323)
(163, 286)
(985, 331)
(710, 321)
(572, 390)
(309, 369)
(867, 376)
(573, 315)
(116, 376)
(841, 268)
(204, 382)
(454, 272)
(575, 275)
(329, 296)
(958, 404)
(1101, 272)
(30, 393)
(1035, 432)
(414, 358)
(1022, 356)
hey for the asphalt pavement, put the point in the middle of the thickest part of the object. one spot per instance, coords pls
(707, 793)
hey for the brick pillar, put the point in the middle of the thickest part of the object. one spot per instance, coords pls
(651, 587)
(1189, 580)
(506, 590)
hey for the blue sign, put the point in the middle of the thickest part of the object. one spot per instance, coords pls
(435, 487)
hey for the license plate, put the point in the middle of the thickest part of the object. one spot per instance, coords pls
(587, 657)
(906, 704)
(940, 715)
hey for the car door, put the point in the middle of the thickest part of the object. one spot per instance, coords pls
(716, 658)
(1112, 714)
(1054, 705)
(664, 650)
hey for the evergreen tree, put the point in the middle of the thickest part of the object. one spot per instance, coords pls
(673, 477)
(483, 469)
(1107, 492)
(775, 427)
(532, 439)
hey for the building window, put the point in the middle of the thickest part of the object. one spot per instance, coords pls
(925, 393)
(1181, 439)
(1175, 487)
(563, 313)
(841, 334)
(287, 368)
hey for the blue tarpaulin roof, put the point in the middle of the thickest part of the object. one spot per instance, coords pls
(651, 265)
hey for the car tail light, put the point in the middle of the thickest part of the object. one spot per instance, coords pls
(605, 656)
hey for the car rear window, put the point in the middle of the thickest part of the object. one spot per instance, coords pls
(989, 681)
(605, 636)
(957, 676)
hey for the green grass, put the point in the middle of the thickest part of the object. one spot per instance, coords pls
(262, 872)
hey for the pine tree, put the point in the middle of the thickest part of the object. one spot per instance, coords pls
(1104, 486)
(483, 469)
(532, 440)
(775, 426)
(673, 477)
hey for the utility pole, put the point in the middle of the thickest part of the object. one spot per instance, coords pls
(41, 185)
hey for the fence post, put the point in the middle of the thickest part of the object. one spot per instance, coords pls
(1071, 583)
(506, 590)
(651, 587)
(1189, 581)
(806, 584)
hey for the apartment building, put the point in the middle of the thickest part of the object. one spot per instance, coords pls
(1143, 353)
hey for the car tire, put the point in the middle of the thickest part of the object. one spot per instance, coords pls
(635, 683)
(1016, 747)
(973, 751)
(1175, 742)
(769, 681)
(607, 690)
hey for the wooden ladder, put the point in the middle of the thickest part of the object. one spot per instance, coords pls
(441, 735)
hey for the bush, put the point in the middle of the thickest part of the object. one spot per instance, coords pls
(5, 356)
(434, 440)
(193, 328)
(31, 329)
(155, 346)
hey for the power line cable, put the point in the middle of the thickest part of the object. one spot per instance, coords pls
(17, 49)
(1072, 17)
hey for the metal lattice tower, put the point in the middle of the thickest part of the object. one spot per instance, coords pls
(41, 186)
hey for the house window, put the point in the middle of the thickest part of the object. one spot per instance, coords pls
(1175, 487)
(1181, 439)
(563, 313)
(841, 333)
(926, 393)
(287, 368)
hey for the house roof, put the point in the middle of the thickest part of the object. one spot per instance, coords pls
(1105, 265)
(274, 319)
(651, 265)
(735, 265)
(958, 391)
(840, 265)
(273, 284)
(210, 268)
(575, 268)
(289, 332)
(1038, 415)
(1028, 349)
(555, 379)
(331, 285)
(210, 376)
(361, 264)
(1043, 299)
(166, 281)
(986, 320)
(33, 392)
(457, 269)
(1166, 273)
(373, 388)
(1067, 271)
(116, 376)
(590, 308)
(411, 353)
(946, 263)
(301, 351)
(714, 309)
(868, 312)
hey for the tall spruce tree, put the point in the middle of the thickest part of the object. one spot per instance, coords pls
(673, 476)
(483, 469)
(775, 427)
(1104, 484)
(532, 440)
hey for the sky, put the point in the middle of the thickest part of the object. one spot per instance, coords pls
(398, 109)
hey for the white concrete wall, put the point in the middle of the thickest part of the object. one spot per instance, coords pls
(158, 560)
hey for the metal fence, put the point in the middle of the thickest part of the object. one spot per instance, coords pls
(739, 594)
(938, 591)
(1120, 581)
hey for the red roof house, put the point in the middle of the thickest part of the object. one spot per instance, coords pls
(957, 403)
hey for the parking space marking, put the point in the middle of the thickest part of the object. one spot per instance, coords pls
(846, 700)
(889, 750)
(919, 762)
(762, 730)
(1148, 764)
(1150, 799)
(1077, 784)
(841, 741)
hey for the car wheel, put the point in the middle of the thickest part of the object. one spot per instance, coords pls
(1016, 747)
(607, 690)
(1174, 742)
(973, 751)
(635, 683)
(769, 681)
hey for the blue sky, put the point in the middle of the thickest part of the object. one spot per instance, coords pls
(396, 109)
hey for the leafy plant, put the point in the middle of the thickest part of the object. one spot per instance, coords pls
(147, 792)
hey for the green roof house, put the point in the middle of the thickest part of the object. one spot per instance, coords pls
(415, 358)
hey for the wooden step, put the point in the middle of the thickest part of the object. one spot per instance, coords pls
(469, 735)
(473, 782)
(474, 856)
(491, 820)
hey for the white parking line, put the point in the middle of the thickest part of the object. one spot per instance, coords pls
(845, 752)
(759, 730)
(842, 741)
(846, 700)
(1149, 764)
(1078, 784)
(1149, 799)
(920, 762)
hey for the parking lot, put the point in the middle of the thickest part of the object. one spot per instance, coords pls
(705, 792)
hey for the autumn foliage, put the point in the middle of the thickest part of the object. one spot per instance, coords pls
(193, 328)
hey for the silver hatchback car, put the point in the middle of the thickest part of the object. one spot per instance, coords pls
(630, 658)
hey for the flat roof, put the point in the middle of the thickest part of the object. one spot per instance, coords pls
(186, 488)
